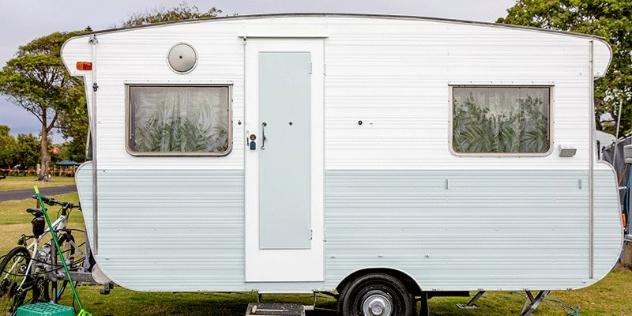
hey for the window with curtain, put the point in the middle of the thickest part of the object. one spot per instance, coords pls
(179, 120)
(490, 119)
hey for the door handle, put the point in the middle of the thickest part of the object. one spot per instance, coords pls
(263, 134)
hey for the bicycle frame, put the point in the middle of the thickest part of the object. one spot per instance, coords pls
(58, 225)
(43, 266)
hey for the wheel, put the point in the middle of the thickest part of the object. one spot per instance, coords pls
(67, 244)
(376, 294)
(15, 284)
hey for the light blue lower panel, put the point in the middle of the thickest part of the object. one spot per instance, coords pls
(465, 230)
(168, 230)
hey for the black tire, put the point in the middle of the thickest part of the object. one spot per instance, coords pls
(15, 286)
(376, 294)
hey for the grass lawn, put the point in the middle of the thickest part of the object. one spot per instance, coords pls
(22, 183)
(15, 221)
(610, 296)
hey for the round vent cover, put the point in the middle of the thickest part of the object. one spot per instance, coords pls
(182, 58)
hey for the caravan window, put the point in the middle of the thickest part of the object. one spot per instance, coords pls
(179, 120)
(493, 119)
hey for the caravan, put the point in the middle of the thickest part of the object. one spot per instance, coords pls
(384, 157)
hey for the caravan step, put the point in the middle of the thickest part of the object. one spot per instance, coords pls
(275, 309)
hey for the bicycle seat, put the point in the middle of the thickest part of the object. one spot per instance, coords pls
(37, 212)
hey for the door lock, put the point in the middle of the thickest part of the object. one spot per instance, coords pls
(253, 145)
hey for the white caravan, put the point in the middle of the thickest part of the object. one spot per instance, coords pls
(384, 157)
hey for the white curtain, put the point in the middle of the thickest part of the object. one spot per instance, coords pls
(501, 119)
(179, 119)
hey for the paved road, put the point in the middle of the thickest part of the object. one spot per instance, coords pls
(25, 194)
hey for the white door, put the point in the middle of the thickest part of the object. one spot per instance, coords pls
(284, 169)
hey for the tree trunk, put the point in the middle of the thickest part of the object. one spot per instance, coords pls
(44, 169)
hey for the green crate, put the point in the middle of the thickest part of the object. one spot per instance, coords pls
(45, 309)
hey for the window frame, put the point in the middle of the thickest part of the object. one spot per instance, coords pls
(128, 118)
(551, 124)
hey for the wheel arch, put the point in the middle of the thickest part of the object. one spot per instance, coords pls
(411, 284)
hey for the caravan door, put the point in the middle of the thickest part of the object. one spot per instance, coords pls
(284, 168)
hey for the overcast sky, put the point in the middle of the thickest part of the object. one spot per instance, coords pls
(24, 20)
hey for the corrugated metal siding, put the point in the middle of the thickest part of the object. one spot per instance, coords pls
(166, 230)
(139, 56)
(608, 227)
(493, 230)
(501, 228)
(505, 230)
(393, 74)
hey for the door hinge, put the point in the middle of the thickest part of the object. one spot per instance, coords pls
(324, 69)
(311, 234)
(95, 87)
(310, 68)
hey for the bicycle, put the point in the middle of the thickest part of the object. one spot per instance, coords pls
(26, 271)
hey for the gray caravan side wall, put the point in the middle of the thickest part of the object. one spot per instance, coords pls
(471, 229)
(157, 226)
(450, 230)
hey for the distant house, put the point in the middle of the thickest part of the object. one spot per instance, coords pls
(55, 150)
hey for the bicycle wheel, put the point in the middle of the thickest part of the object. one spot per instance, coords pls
(15, 283)
(68, 246)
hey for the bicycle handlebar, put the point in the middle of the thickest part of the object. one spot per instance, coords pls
(53, 202)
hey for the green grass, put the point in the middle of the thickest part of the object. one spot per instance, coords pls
(23, 183)
(610, 296)
(125, 302)
(15, 221)
(14, 211)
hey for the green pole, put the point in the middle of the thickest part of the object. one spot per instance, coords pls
(61, 254)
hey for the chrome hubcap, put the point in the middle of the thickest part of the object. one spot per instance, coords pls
(377, 305)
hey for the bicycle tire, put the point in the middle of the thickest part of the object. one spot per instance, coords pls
(68, 252)
(16, 287)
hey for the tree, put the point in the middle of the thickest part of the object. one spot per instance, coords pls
(161, 14)
(7, 148)
(27, 151)
(23, 151)
(37, 80)
(74, 125)
(611, 19)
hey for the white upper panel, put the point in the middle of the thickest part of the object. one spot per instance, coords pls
(394, 74)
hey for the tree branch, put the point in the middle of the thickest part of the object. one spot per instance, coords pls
(52, 122)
